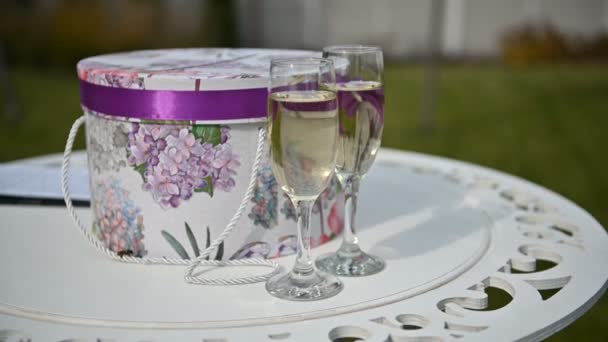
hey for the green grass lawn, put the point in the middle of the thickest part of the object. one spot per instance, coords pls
(544, 124)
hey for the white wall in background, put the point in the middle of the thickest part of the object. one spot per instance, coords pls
(453, 27)
(486, 21)
(577, 16)
(470, 28)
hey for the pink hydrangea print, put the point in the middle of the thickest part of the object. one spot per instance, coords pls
(118, 222)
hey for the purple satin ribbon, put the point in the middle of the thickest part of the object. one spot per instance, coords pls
(212, 105)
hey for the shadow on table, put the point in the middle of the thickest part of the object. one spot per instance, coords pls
(443, 210)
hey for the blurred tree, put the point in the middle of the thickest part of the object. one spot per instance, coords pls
(60, 32)
(430, 95)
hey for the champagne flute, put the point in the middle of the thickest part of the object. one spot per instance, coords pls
(361, 111)
(303, 135)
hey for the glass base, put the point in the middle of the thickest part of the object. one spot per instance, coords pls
(350, 264)
(297, 287)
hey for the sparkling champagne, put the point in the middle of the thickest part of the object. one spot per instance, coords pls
(361, 123)
(304, 135)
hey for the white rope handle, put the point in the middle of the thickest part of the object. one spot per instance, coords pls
(192, 264)
(199, 261)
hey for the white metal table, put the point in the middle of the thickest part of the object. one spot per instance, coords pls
(449, 231)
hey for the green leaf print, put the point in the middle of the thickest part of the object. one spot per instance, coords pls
(141, 169)
(179, 249)
(192, 239)
(220, 251)
(211, 134)
(208, 188)
(208, 241)
(220, 248)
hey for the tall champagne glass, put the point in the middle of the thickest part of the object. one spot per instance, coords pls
(303, 135)
(361, 110)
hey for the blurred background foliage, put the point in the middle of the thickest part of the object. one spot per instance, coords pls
(536, 106)
(35, 34)
(543, 43)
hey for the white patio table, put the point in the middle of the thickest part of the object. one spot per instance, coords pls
(449, 230)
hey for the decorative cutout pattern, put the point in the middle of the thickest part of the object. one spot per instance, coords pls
(14, 336)
(534, 267)
(281, 336)
(404, 322)
(348, 333)
(393, 338)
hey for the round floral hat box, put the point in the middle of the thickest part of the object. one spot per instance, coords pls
(171, 139)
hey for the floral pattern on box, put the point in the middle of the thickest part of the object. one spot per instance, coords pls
(111, 75)
(107, 144)
(174, 162)
(177, 161)
(255, 249)
(287, 245)
(119, 224)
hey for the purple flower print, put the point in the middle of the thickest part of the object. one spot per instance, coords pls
(225, 134)
(177, 161)
(287, 245)
(145, 143)
(107, 75)
(164, 187)
(256, 249)
(118, 222)
(224, 164)
(179, 148)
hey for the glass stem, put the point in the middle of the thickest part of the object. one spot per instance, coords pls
(303, 268)
(350, 242)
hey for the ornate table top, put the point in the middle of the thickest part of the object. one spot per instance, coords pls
(450, 231)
